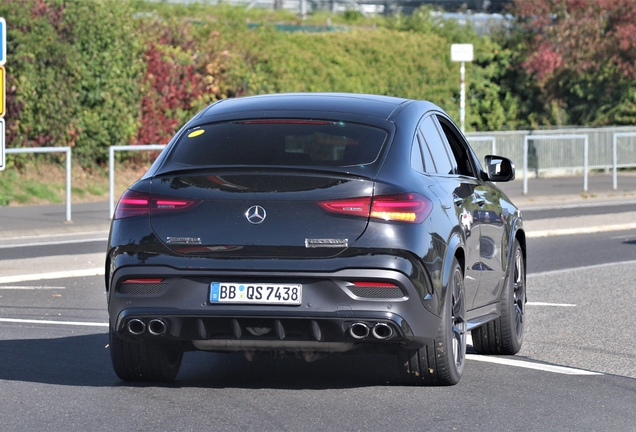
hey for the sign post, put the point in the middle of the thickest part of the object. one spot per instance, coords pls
(462, 53)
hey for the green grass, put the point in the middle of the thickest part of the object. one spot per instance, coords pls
(96, 190)
(42, 191)
(78, 191)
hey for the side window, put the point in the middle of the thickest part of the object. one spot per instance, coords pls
(416, 156)
(438, 147)
(459, 147)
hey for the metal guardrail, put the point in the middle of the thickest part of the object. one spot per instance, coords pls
(111, 167)
(66, 150)
(560, 155)
(553, 137)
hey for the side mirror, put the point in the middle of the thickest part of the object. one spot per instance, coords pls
(499, 169)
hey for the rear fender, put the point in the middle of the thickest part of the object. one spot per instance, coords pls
(516, 231)
(520, 234)
(454, 246)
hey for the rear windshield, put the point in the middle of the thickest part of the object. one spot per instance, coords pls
(280, 142)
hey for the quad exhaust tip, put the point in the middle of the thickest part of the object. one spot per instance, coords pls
(359, 330)
(382, 331)
(136, 327)
(157, 327)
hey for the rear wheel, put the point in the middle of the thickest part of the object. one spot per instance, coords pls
(442, 362)
(144, 361)
(505, 334)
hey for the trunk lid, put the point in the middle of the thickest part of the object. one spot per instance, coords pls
(262, 214)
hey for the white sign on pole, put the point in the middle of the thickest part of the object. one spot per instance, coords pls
(462, 52)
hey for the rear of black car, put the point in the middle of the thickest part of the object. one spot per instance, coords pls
(270, 235)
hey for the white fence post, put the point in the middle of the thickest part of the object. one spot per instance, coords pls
(615, 137)
(525, 164)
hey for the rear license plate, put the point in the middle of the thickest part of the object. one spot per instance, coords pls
(235, 292)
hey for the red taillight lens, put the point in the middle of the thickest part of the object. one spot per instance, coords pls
(352, 206)
(167, 204)
(133, 203)
(143, 281)
(410, 207)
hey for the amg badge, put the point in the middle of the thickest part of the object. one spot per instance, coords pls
(326, 243)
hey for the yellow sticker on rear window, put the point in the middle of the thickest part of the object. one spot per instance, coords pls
(196, 133)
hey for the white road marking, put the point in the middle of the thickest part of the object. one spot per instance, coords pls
(98, 271)
(583, 230)
(49, 236)
(61, 242)
(613, 203)
(9, 287)
(73, 323)
(529, 365)
(571, 269)
(550, 304)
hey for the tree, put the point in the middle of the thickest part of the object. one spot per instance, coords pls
(581, 55)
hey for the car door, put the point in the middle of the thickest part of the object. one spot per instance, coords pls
(457, 194)
(487, 215)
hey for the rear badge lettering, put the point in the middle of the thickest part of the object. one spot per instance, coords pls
(184, 240)
(326, 243)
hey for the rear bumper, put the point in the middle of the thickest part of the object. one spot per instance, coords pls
(179, 310)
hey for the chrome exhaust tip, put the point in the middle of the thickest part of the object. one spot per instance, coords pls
(136, 327)
(157, 327)
(359, 330)
(382, 331)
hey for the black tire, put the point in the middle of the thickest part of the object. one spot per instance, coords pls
(144, 361)
(442, 362)
(504, 335)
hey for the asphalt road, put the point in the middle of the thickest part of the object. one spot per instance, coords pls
(55, 371)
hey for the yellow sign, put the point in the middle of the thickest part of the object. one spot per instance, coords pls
(3, 92)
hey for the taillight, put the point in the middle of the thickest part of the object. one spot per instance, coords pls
(409, 207)
(133, 203)
(352, 206)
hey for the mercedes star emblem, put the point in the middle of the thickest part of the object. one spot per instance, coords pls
(255, 214)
